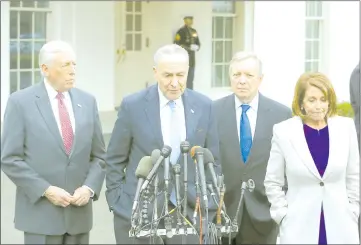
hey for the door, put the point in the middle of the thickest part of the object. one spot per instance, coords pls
(133, 57)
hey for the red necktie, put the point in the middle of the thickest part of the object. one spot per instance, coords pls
(66, 128)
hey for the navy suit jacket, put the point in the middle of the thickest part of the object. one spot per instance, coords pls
(137, 132)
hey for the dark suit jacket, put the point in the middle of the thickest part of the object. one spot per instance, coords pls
(235, 170)
(137, 132)
(355, 95)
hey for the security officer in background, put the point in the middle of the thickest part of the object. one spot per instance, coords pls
(187, 37)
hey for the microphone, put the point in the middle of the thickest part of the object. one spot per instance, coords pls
(155, 156)
(165, 152)
(209, 161)
(199, 156)
(144, 167)
(166, 173)
(184, 147)
(177, 170)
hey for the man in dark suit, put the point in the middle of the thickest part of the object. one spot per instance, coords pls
(163, 114)
(245, 122)
(355, 95)
(188, 38)
(53, 150)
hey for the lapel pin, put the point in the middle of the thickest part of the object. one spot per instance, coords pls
(79, 105)
(192, 111)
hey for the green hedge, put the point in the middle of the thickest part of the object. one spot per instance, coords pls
(345, 109)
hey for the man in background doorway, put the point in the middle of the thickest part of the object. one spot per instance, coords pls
(355, 95)
(188, 38)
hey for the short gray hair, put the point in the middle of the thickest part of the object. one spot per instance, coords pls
(47, 52)
(243, 55)
(170, 49)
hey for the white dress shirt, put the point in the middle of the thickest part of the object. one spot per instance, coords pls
(52, 93)
(165, 118)
(251, 113)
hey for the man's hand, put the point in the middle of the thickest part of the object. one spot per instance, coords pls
(58, 196)
(81, 196)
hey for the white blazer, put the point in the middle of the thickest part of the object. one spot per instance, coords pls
(338, 189)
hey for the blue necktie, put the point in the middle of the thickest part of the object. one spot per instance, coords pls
(245, 133)
(175, 140)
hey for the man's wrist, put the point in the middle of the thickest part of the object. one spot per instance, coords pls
(90, 190)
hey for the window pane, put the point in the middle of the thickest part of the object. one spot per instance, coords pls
(26, 51)
(26, 25)
(14, 3)
(226, 82)
(138, 42)
(312, 50)
(129, 42)
(217, 75)
(13, 24)
(43, 4)
(229, 27)
(25, 79)
(228, 50)
(37, 77)
(223, 6)
(37, 47)
(129, 22)
(314, 8)
(28, 3)
(219, 51)
(312, 29)
(311, 66)
(13, 55)
(218, 27)
(129, 6)
(138, 22)
(13, 81)
(138, 6)
(40, 25)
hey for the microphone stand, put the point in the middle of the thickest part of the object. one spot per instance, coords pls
(250, 185)
(155, 221)
(168, 218)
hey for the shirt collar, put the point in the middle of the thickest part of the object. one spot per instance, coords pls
(253, 104)
(163, 101)
(52, 93)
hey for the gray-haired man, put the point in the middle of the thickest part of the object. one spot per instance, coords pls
(53, 150)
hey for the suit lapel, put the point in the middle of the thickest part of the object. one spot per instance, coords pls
(43, 103)
(300, 145)
(334, 139)
(152, 112)
(263, 113)
(229, 119)
(191, 114)
(78, 116)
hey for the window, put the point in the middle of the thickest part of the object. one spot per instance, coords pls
(133, 22)
(27, 36)
(313, 45)
(222, 41)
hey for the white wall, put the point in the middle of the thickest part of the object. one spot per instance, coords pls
(344, 43)
(279, 41)
(88, 26)
(5, 56)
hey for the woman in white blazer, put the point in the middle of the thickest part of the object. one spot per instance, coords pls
(316, 154)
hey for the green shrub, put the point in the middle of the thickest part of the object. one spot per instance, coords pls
(345, 109)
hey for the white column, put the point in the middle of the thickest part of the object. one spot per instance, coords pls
(5, 55)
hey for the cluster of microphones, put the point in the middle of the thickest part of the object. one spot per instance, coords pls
(147, 174)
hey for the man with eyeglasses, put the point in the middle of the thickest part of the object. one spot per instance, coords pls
(245, 122)
(163, 114)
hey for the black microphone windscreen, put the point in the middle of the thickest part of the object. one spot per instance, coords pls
(185, 146)
(155, 155)
(208, 156)
(144, 167)
(166, 151)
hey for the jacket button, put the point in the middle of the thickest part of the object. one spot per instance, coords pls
(322, 184)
